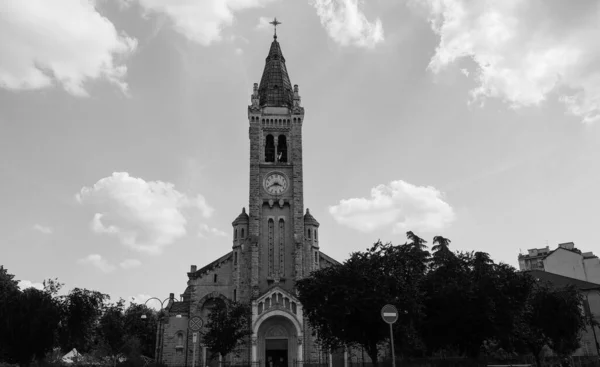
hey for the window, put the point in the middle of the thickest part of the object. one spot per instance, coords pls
(180, 339)
(281, 149)
(270, 149)
(316, 257)
(215, 278)
(234, 295)
(235, 258)
(316, 237)
(243, 233)
(309, 233)
(235, 234)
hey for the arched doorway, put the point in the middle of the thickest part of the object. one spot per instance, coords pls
(277, 342)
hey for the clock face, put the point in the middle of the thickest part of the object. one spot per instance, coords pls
(275, 183)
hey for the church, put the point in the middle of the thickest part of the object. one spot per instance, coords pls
(275, 243)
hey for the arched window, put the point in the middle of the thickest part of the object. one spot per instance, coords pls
(235, 258)
(316, 257)
(271, 248)
(270, 149)
(243, 233)
(309, 233)
(215, 278)
(180, 339)
(235, 234)
(282, 149)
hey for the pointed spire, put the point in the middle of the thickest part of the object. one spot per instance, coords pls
(275, 89)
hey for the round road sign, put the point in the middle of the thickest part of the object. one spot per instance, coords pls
(389, 314)
(195, 323)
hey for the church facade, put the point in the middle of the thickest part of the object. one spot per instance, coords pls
(275, 243)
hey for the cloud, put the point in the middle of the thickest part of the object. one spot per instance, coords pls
(347, 24)
(98, 262)
(400, 205)
(64, 42)
(264, 23)
(524, 50)
(130, 263)
(24, 284)
(43, 229)
(200, 21)
(206, 230)
(144, 215)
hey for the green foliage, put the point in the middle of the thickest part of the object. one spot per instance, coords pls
(450, 303)
(228, 324)
(81, 310)
(32, 317)
(143, 329)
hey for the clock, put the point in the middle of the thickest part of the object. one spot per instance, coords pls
(275, 183)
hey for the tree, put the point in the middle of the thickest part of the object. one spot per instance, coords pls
(551, 317)
(143, 329)
(343, 302)
(33, 318)
(81, 310)
(228, 324)
(111, 331)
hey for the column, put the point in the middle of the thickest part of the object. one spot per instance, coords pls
(330, 359)
(300, 356)
(254, 349)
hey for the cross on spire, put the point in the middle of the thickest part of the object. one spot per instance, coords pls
(275, 24)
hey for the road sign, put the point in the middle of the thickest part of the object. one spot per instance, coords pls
(195, 336)
(389, 314)
(195, 323)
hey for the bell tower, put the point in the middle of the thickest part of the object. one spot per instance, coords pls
(276, 203)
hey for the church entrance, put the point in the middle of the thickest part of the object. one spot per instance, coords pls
(276, 352)
(276, 342)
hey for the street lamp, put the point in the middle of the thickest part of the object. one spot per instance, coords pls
(157, 356)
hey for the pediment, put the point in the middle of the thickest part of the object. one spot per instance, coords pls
(276, 291)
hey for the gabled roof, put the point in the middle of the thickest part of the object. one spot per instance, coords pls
(329, 259)
(275, 89)
(561, 280)
(198, 273)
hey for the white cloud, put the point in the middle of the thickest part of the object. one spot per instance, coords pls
(264, 23)
(144, 215)
(347, 24)
(24, 284)
(98, 262)
(43, 229)
(65, 42)
(401, 205)
(524, 50)
(200, 20)
(206, 230)
(130, 263)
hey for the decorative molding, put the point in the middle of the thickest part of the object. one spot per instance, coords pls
(276, 331)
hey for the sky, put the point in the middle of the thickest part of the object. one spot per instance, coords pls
(124, 150)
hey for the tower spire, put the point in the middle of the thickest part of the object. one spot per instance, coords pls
(275, 24)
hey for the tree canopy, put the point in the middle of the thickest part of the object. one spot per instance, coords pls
(449, 302)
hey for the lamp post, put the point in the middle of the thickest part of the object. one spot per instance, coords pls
(157, 356)
(589, 309)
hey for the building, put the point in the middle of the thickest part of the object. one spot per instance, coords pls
(275, 242)
(591, 293)
(565, 260)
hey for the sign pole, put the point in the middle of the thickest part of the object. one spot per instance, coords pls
(195, 336)
(389, 314)
(392, 342)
